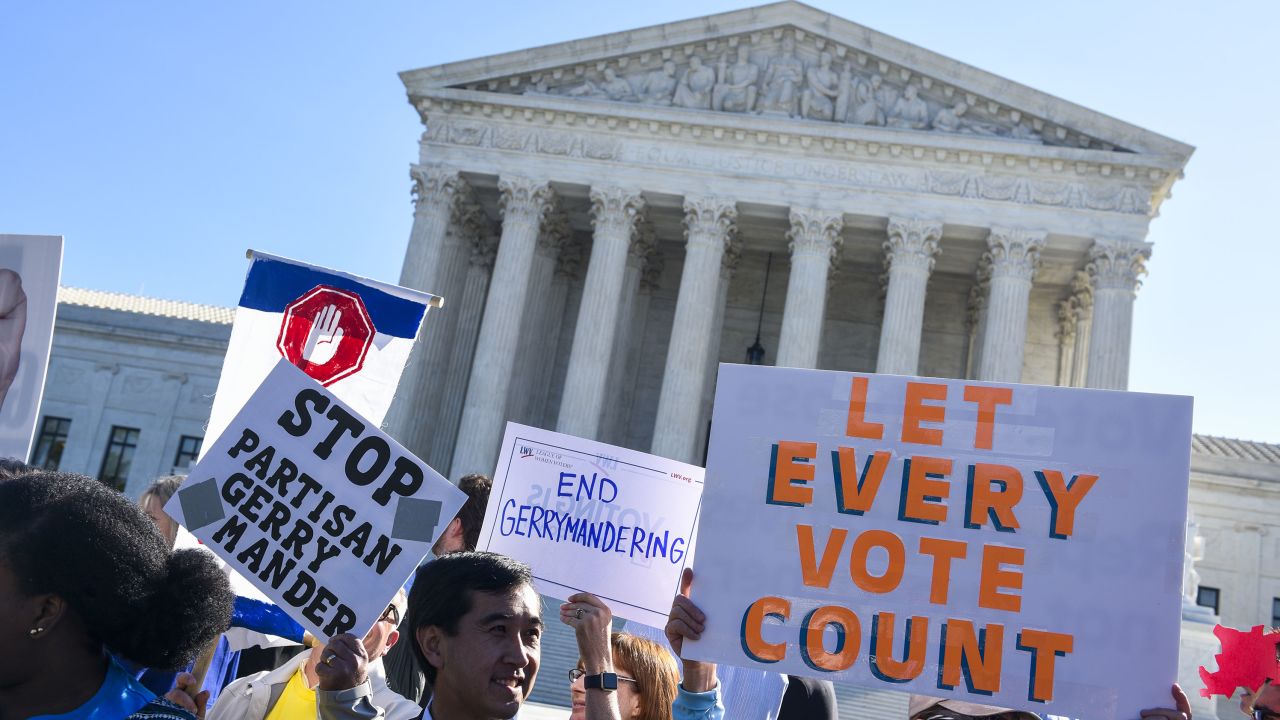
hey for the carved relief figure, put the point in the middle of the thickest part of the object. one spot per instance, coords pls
(694, 90)
(612, 88)
(953, 120)
(884, 95)
(736, 91)
(817, 102)
(660, 85)
(866, 109)
(782, 80)
(910, 111)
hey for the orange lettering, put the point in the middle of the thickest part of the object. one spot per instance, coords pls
(789, 464)
(819, 574)
(984, 500)
(848, 638)
(987, 399)
(753, 643)
(862, 546)
(914, 412)
(975, 657)
(1045, 647)
(857, 425)
(994, 578)
(1063, 498)
(943, 552)
(854, 492)
(923, 490)
(883, 664)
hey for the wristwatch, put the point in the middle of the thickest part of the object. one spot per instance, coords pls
(602, 681)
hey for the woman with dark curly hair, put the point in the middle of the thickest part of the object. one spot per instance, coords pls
(84, 574)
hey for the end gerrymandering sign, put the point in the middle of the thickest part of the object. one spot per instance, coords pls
(1008, 545)
(590, 517)
(313, 504)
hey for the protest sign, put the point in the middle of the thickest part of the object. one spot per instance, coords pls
(313, 504)
(349, 333)
(593, 517)
(30, 267)
(1007, 545)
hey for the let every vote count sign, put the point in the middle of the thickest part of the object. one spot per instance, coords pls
(317, 507)
(595, 518)
(1008, 545)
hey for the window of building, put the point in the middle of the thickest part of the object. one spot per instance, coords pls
(119, 456)
(1275, 612)
(188, 450)
(51, 442)
(1208, 597)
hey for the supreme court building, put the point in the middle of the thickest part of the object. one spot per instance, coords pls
(609, 218)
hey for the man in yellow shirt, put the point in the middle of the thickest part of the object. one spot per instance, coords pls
(289, 691)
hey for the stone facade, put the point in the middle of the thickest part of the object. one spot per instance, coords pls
(921, 216)
(133, 363)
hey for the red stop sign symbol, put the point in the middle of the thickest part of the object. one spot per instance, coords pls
(327, 333)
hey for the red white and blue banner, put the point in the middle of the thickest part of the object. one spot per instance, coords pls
(351, 334)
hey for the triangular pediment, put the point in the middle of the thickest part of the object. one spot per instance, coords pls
(789, 60)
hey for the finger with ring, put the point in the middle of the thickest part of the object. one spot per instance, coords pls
(580, 611)
(328, 659)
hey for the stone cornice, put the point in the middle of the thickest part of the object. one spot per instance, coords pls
(892, 57)
(959, 166)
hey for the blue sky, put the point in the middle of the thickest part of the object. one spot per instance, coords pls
(164, 138)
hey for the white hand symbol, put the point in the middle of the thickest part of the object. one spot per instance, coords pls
(325, 336)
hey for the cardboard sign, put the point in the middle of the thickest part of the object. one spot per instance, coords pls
(349, 333)
(313, 504)
(596, 518)
(1008, 545)
(30, 266)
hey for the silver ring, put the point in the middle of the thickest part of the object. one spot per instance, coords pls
(579, 613)
(328, 659)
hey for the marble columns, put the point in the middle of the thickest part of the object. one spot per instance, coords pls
(1082, 298)
(483, 250)
(709, 223)
(1115, 268)
(1012, 255)
(910, 252)
(434, 241)
(614, 212)
(525, 203)
(814, 242)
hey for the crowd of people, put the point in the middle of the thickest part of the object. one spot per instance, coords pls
(100, 618)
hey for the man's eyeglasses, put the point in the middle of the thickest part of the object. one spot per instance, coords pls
(391, 615)
(1265, 714)
(576, 673)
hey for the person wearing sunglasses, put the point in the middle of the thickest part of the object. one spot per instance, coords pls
(343, 672)
(619, 676)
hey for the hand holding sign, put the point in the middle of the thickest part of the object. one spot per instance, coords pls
(324, 337)
(343, 663)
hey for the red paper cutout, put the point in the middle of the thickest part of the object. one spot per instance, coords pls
(1248, 659)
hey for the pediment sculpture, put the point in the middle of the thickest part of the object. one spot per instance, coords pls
(780, 82)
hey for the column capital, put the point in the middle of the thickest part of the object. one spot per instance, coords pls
(645, 242)
(1068, 319)
(572, 253)
(616, 208)
(1014, 252)
(651, 271)
(484, 248)
(437, 185)
(732, 255)
(978, 296)
(1082, 291)
(913, 242)
(714, 217)
(815, 231)
(554, 234)
(522, 198)
(1117, 264)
